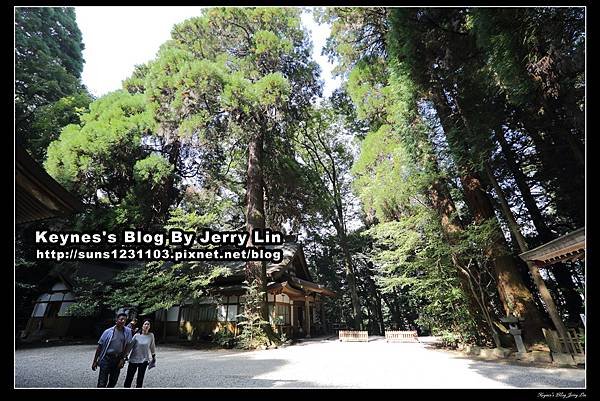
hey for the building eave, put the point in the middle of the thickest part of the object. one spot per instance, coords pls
(568, 247)
(38, 196)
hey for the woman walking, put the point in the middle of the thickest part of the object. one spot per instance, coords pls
(139, 350)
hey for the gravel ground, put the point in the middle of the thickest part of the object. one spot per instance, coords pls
(317, 363)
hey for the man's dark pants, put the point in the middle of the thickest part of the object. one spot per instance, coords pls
(109, 371)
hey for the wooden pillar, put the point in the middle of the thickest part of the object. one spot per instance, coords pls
(292, 321)
(547, 298)
(307, 316)
(323, 321)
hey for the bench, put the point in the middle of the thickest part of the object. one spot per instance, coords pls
(401, 336)
(353, 335)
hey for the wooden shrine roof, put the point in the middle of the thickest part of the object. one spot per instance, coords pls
(39, 196)
(569, 247)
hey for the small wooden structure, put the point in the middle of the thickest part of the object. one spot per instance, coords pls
(569, 247)
(402, 336)
(353, 335)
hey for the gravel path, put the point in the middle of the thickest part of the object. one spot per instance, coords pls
(318, 363)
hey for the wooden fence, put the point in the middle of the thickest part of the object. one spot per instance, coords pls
(353, 335)
(575, 341)
(401, 336)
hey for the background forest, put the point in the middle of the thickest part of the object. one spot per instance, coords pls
(456, 142)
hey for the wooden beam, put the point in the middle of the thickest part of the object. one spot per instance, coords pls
(307, 316)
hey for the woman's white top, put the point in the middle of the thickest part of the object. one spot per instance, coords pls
(142, 348)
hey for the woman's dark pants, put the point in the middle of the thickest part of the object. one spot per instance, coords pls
(141, 371)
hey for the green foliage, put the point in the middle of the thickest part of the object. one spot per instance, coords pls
(476, 238)
(251, 322)
(356, 33)
(385, 179)
(153, 170)
(114, 125)
(450, 339)
(412, 257)
(91, 296)
(225, 77)
(394, 173)
(48, 65)
(224, 338)
(50, 119)
(425, 90)
(150, 287)
(367, 88)
(103, 161)
(323, 150)
(514, 41)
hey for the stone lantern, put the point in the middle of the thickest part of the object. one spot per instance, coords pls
(513, 328)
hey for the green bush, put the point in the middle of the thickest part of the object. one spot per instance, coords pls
(450, 339)
(224, 338)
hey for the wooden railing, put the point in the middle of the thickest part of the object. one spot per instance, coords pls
(401, 336)
(353, 335)
(574, 344)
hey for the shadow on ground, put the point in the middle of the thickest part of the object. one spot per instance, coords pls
(70, 367)
(514, 376)
(510, 371)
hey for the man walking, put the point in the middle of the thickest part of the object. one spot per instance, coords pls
(110, 354)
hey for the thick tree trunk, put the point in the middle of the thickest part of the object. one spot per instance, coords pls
(514, 295)
(375, 305)
(380, 314)
(352, 284)
(564, 280)
(516, 299)
(535, 273)
(396, 315)
(256, 271)
(340, 227)
(255, 210)
(442, 202)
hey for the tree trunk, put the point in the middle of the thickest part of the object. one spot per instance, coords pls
(256, 271)
(522, 184)
(537, 278)
(340, 227)
(378, 310)
(514, 295)
(442, 202)
(516, 299)
(352, 285)
(380, 314)
(396, 316)
(564, 280)
(375, 305)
